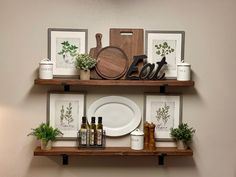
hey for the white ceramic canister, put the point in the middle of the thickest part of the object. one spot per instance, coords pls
(183, 71)
(137, 139)
(45, 69)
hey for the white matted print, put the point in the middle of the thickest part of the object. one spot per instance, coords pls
(63, 45)
(168, 44)
(164, 112)
(65, 111)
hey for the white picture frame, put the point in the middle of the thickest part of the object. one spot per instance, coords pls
(165, 112)
(174, 54)
(65, 111)
(63, 44)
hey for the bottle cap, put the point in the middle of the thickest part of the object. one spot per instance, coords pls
(93, 120)
(84, 120)
(99, 119)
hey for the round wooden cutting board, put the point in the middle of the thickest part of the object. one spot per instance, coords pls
(112, 63)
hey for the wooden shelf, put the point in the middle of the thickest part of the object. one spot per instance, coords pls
(112, 151)
(154, 83)
(161, 152)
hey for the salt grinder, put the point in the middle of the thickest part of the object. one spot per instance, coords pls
(146, 135)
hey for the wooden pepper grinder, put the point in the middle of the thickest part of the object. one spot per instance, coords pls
(152, 144)
(146, 135)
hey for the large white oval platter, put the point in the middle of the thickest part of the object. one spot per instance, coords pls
(120, 115)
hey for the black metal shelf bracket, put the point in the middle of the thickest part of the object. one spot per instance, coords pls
(66, 88)
(65, 159)
(162, 89)
(161, 158)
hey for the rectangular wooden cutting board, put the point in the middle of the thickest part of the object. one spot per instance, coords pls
(131, 41)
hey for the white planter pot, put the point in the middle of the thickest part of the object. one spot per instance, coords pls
(46, 145)
(181, 145)
(84, 74)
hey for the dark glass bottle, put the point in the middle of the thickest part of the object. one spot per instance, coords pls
(83, 132)
(99, 132)
(92, 132)
(88, 131)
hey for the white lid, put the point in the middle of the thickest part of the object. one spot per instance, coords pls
(46, 61)
(137, 132)
(183, 64)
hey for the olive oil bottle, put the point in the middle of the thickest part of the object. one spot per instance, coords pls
(92, 132)
(88, 131)
(83, 132)
(99, 132)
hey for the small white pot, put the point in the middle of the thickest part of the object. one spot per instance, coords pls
(137, 140)
(183, 72)
(45, 69)
(181, 145)
(84, 74)
(46, 145)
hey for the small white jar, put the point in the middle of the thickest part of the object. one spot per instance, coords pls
(183, 72)
(137, 139)
(45, 69)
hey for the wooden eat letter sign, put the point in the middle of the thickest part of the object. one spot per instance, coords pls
(147, 71)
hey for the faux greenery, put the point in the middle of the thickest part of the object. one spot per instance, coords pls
(45, 132)
(163, 113)
(183, 132)
(164, 49)
(84, 62)
(66, 116)
(68, 48)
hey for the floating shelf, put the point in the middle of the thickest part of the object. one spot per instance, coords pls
(154, 83)
(65, 152)
(160, 152)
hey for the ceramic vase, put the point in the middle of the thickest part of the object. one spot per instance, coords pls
(46, 145)
(181, 145)
(84, 74)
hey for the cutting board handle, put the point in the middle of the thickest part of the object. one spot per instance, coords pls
(99, 40)
(126, 33)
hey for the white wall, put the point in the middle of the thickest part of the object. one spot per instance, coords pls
(209, 106)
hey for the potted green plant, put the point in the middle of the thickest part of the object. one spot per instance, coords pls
(46, 134)
(84, 63)
(183, 135)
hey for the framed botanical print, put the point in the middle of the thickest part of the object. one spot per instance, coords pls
(164, 111)
(168, 44)
(63, 45)
(65, 111)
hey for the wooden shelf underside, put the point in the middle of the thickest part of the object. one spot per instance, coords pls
(112, 151)
(155, 83)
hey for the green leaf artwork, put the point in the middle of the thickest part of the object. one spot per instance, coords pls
(68, 50)
(62, 114)
(162, 114)
(66, 117)
(164, 49)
